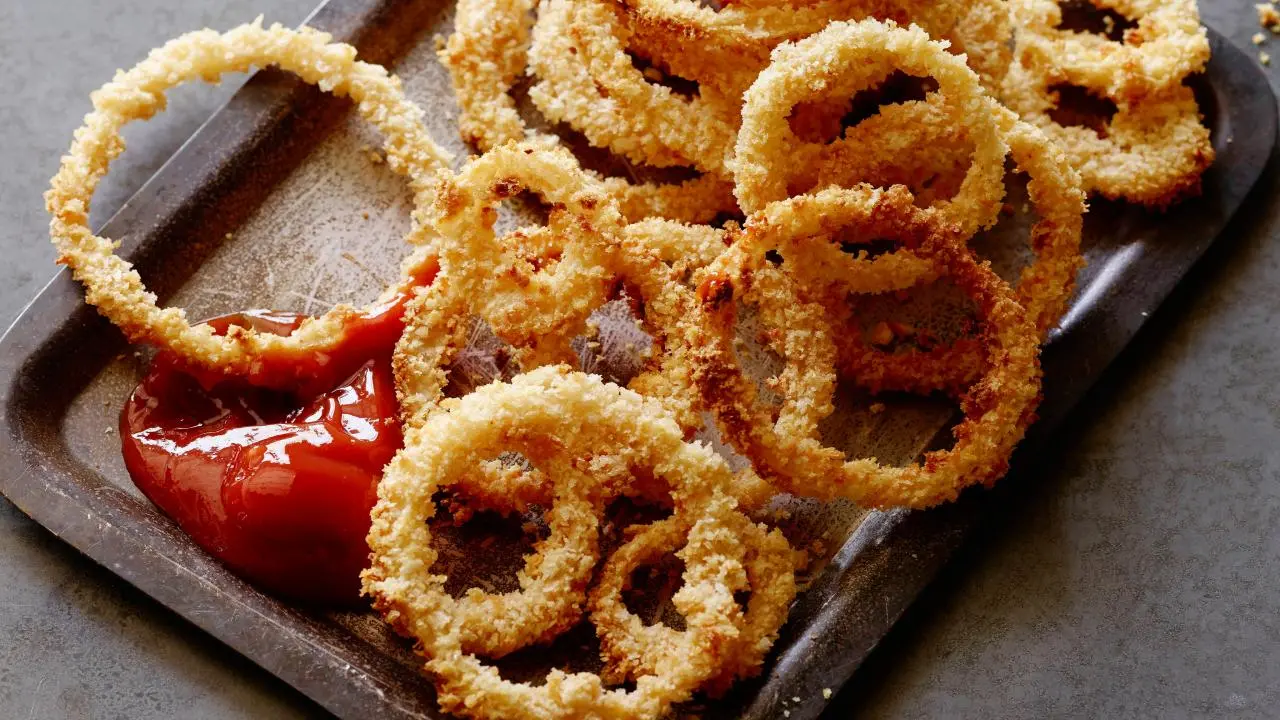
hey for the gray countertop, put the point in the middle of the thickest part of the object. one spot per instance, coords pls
(1135, 577)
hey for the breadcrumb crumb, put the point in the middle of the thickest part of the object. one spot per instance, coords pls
(1268, 16)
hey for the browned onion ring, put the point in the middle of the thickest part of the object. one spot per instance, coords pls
(486, 55)
(837, 61)
(632, 649)
(550, 413)
(111, 283)
(997, 408)
(1168, 44)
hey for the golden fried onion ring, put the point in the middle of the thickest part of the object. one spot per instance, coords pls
(1044, 287)
(997, 408)
(488, 53)
(554, 579)
(631, 649)
(586, 79)
(917, 140)
(112, 284)
(551, 413)
(1153, 151)
(1168, 44)
(537, 310)
(838, 61)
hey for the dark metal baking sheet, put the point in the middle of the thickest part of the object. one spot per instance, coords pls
(58, 346)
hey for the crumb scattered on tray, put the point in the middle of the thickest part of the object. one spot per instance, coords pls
(1268, 16)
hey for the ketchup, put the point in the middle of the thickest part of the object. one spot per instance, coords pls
(275, 483)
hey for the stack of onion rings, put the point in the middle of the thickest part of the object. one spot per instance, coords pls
(775, 81)
(579, 53)
(998, 407)
(556, 417)
(486, 56)
(909, 144)
(1043, 288)
(538, 309)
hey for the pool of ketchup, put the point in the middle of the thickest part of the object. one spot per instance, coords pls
(276, 483)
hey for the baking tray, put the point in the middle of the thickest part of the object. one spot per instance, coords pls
(64, 367)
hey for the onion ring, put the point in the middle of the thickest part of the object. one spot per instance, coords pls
(554, 579)
(631, 649)
(552, 413)
(1054, 189)
(486, 55)
(1153, 151)
(916, 140)
(649, 259)
(536, 310)
(726, 49)
(586, 79)
(114, 286)
(1044, 287)
(997, 409)
(1168, 44)
(539, 311)
(837, 61)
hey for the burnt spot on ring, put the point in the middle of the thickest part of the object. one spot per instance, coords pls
(715, 292)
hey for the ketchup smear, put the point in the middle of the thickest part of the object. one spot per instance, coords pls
(275, 483)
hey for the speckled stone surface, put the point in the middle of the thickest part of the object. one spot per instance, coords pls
(1136, 577)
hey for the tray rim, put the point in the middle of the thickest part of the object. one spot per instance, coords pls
(58, 310)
